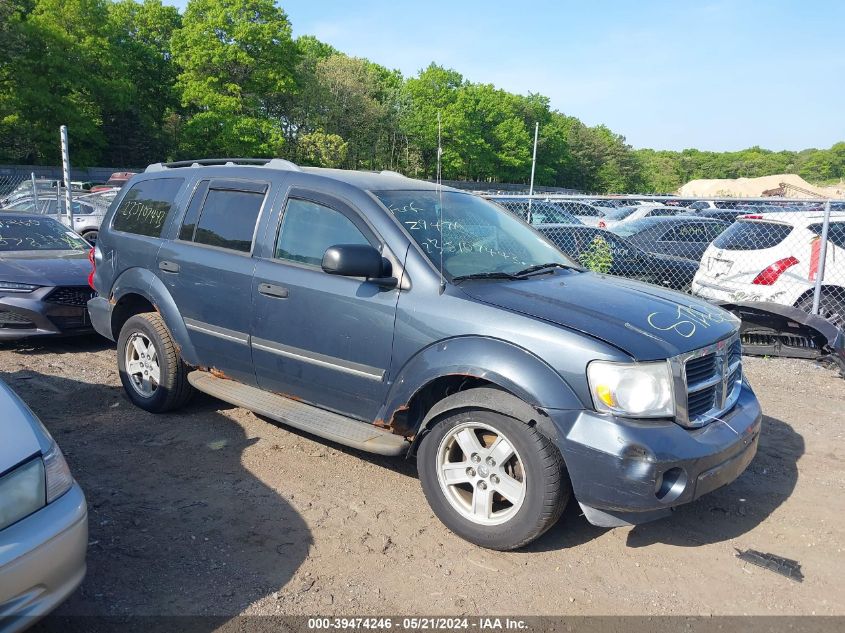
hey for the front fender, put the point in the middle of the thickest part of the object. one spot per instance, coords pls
(510, 367)
(143, 282)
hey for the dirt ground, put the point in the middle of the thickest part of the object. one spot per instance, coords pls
(213, 510)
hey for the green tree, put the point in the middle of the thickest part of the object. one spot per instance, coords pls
(322, 150)
(236, 63)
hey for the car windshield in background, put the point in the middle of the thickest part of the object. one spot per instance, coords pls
(626, 229)
(620, 214)
(752, 235)
(477, 238)
(38, 234)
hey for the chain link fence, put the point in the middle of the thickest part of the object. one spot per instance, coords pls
(782, 250)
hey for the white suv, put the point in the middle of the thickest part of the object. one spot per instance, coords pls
(775, 257)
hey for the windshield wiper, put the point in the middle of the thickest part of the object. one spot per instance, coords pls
(539, 268)
(488, 275)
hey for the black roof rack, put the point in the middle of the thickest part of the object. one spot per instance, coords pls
(272, 163)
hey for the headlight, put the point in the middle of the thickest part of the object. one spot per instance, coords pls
(59, 479)
(638, 390)
(13, 286)
(21, 492)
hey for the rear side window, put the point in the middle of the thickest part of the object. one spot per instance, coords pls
(145, 207)
(752, 235)
(309, 229)
(228, 219)
(835, 232)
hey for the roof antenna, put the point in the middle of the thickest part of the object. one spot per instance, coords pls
(440, 196)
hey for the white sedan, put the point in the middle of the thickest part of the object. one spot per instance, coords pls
(629, 214)
(775, 257)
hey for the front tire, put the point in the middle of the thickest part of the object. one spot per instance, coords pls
(492, 480)
(153, 375)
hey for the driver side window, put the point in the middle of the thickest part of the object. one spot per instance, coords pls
(308, 229)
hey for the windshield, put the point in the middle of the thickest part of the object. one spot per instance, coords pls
(627, 229)
(478, 237)
(38, 234)
(620, 214)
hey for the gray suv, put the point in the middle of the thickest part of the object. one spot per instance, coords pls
(402, 318)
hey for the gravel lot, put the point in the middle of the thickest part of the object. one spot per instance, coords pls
(213, 510)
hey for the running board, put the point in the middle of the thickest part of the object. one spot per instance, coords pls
(325, 424)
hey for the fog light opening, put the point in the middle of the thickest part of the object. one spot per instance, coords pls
(671, 484)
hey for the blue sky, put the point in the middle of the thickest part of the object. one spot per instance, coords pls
(711, 74)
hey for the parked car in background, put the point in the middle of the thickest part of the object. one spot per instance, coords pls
(586, 212)
(115, 181)
(541, 211)
(88, 211)
(603, 251)
(629, 214)
(43, 519)
(43, 278)
(775, 257)
(682, 236)
(403, 318)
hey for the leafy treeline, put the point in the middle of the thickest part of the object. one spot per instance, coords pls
(138, 83)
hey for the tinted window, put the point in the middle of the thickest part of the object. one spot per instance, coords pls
(145, 207)
(309, 229)
(835, 232)
(190, 221)
(751, 235)
(228, 219)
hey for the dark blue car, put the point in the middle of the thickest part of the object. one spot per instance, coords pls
(43, 278)
(402, 318)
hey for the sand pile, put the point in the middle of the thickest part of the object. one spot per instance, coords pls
(754, 187)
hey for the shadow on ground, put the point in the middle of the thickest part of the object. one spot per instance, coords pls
(177, 524)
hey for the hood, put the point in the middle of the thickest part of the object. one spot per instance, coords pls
(46, 268)
(21, 432)
(644, 321)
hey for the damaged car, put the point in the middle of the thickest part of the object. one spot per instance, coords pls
(403, 318)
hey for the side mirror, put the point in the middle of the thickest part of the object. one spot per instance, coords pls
(357, 260)
(352, 260)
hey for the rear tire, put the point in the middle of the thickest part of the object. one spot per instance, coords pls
(91, 237)
(831, 305)
(492, 480)
(153, 375)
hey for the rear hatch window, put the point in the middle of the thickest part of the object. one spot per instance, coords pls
(752, 235)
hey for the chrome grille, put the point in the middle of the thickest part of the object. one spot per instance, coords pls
(710, 380)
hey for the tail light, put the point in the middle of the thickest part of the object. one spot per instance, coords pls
(751, 217)
(815, 249)
(770, 275)
(91, 254)
(602, 224)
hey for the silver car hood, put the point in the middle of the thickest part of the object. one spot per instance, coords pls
(22, 434)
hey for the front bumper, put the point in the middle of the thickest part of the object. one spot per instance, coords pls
(42, 560)
(722, 290)
(628, 471)
(32, 314)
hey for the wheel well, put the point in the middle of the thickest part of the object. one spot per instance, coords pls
(407, 419)
(128, 306)
(831, 290)
(422, 409)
